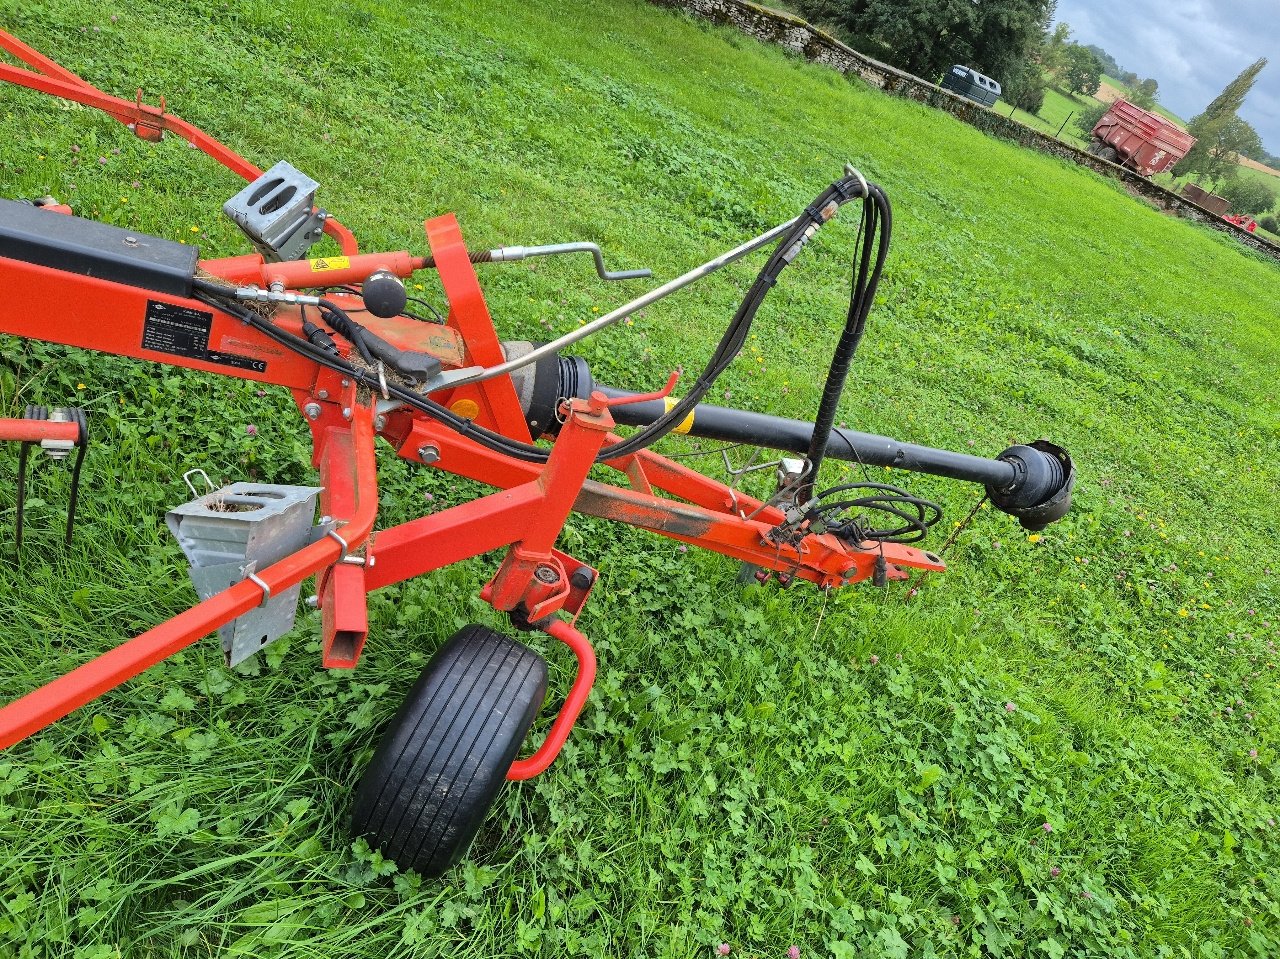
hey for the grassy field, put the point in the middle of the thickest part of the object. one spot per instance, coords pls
(1065, 745)
(1056, 109)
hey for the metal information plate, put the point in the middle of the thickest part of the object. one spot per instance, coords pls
(182, 331)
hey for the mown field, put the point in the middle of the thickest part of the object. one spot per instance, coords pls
(1064, 745)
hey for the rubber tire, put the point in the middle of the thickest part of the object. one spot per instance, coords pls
(445, 754)
(1108, 153)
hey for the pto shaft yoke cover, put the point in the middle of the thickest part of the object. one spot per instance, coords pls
(1040, 493)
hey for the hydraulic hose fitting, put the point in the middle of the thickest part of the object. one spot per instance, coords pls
(1040, 492)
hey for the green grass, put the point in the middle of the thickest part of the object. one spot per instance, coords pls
(1056, 109)
(837, 772)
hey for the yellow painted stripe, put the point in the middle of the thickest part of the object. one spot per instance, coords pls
(687, 425)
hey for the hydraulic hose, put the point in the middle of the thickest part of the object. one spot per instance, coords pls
(877, 224)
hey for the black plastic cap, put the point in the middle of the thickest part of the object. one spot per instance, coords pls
(384, 294)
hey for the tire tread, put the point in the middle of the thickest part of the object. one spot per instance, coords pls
(445, 753)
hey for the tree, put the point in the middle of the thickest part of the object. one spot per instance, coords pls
(1025, 88)
(1108, 62)
(924, 37)
(1084, 72)
(1208, 126)
(1248, 195)
(1088, 116)
(1231, 99)
(1053, 50)
(1219, 148)
(1143, 93)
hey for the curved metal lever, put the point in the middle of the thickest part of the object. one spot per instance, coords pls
(511, 254)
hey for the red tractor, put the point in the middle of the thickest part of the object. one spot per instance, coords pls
(1242, 220)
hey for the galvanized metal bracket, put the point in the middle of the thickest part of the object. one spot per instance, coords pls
(230, 533)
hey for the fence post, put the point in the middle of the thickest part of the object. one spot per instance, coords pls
(1064, 123)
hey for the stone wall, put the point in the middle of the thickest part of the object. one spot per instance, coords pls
(820, 47)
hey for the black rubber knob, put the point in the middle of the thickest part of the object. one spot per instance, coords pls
(384, 294)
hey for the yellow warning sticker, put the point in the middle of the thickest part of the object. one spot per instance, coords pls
(329, 263)
(685, 426)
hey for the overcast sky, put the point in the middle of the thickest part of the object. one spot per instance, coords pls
(1193, 47)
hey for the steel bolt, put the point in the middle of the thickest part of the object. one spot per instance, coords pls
(346, 412)
(429, 454)
(130, 241)
(547, 574)
(346, 382)
(323, 394)
(380, 423)
(312, 411)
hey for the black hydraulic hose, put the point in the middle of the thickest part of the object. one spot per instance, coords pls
(877, 229)
(822, 209)
(796, 436)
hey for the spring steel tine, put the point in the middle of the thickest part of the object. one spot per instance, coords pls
(83, 443)
(22, 498)
(30, 413)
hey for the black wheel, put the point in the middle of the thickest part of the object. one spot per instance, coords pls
(1108, 153)
(446, 752)
(1093, 147)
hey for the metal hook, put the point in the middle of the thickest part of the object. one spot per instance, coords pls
(382, 380)
(186, 478)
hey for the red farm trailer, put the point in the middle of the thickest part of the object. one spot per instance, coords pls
(1142, 141)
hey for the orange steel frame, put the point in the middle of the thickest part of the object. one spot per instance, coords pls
(525, 514)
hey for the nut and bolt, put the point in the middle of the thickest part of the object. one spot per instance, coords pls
(380, 423)
(547, 574)
(429, 454)
(312, 411)
(323, 394)
(346, 412)
(130, 241)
